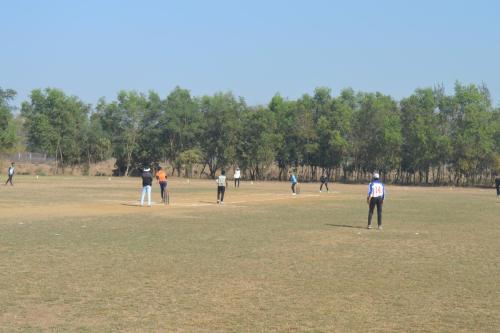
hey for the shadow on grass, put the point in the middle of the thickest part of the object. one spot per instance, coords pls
(132, 205)
(345, 226)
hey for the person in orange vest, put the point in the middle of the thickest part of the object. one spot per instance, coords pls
(161, 177)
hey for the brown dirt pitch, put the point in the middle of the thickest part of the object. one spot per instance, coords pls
(77, 254)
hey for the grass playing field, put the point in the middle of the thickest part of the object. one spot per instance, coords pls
(79, 255)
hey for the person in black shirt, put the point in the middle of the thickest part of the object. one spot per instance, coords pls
(497, 185)
(147, 181)
(324, 181)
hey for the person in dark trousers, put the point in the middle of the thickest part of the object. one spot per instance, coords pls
(497, 185)
(237, 177)
(293, 180)
(161, 177)
(324, 181)
(10, 174)
(147, 181)
(221, 187)
(376, 194)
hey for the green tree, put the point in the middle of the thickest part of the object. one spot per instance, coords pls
(8, 129)
(378, 138)
(333, 129)
(97, 145)
(420, 133)
(55, 124)
(473, 132)
(122, 120)
(288, 137)
(258, 141)
(221, 122)
(181, 124)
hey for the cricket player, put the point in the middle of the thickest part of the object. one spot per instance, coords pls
(161, 177)
(293, 180)
(376, 194)
(221, 187)
(497, 185)
(324, 181)
(237, 177)
(147, 181)
(10, 174)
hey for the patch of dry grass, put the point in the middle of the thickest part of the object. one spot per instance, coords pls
(78, 255)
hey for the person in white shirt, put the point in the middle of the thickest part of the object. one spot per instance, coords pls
(10, 173)
(221, 187)
(237, 177)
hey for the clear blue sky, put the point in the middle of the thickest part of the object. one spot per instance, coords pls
(254, 48)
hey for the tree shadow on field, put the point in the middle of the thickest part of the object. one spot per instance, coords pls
(345, 226)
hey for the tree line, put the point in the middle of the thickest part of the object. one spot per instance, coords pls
(426, 138)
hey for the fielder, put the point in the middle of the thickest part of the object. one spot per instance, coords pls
(497, 185)
(221, 187)
(293, 180)
(10, 173)
(376, 194)
(324, 181)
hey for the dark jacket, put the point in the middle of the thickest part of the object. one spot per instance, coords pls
(147, 178)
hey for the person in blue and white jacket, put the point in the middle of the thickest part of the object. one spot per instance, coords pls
(293, 180)
(376, 194)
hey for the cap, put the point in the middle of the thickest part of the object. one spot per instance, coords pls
(376, 175)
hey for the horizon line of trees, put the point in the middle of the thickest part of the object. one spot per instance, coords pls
(426, 138)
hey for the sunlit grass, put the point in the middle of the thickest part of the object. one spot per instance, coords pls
(77, 254)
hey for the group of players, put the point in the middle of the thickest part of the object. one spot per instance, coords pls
(375, 198)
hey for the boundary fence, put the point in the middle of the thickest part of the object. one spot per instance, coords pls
(28, 157)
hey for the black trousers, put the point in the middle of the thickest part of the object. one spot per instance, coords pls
(321, 187)
(498, 190)
(220, 193)
(9, 180)
(375, 202)
(293, 187)
(163, 186)
(236, 181)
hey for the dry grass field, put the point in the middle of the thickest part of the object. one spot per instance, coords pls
(78, 255)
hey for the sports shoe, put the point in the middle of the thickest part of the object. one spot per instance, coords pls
(319, 191)
(369, 226)
(218, 201)
(294, 193)
(222, 202)
(380, 227)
